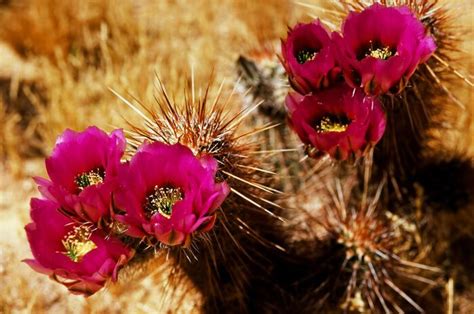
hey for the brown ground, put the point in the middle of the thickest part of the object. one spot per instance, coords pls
(57, 60)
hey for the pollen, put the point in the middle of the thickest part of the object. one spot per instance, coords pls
(77, 243)
(379, 52)
(305, 55)
(162, 200)
(332, 123)
(93, 177)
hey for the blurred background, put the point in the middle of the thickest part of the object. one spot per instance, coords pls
(58, 59)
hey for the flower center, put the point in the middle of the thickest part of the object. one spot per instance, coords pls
(77, 243)
(332, 123)
(377, 50)
(93, 177)
(305, 55)
(162, 200)
(380, 53)
(116, 227)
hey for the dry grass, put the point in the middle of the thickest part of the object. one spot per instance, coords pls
(58, 60)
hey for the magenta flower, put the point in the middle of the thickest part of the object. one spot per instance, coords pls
(308, 57)
(83, 168)
(339, 121)
(74, 254)
(381, 48)
(169, 193)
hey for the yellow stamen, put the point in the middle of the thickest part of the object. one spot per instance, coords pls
(162, 200)
(93, 177)
(332, 124)
(305, 55)
(381, 53)
(77, 243)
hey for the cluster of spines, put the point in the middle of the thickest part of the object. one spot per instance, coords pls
(429, 92)
(401, 156)
(206, 129)
(220, 263)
